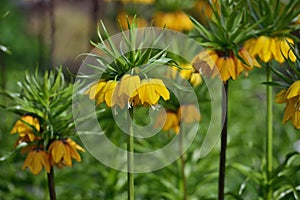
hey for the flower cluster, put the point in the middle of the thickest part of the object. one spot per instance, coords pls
(59, 153)
(224, 64)
(130, 90)
(268, 48)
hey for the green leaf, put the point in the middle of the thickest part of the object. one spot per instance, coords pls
(8, 155)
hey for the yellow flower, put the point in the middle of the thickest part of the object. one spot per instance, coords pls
(203, 10)
(187, 72)
(292, 99)
(25, 130)
(171, 122)
(189, 113)
(211, 63)
(151, 90)
(103, 92)
(62, 151)
(36, 160)
(177, 21)
(268, 48)
(122, 18)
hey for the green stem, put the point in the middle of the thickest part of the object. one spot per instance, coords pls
(222, 166)
(269, 136)
(130, 162)
(182, 162)
(51, 185)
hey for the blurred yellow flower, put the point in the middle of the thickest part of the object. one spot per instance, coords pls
(188, 113)
(25, 130)
(226, 64)
(171, 121)
(292, 99)
(187, 72)
(177, 21)
(203, 10)
(185, 114)
(122, 18)
(62, 151)
(36, 160)
(268, 48)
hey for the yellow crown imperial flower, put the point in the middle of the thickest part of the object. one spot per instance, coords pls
(25, 130)
(212, 62)
(170, 123)
(292, 99)
(62, 152)
(268, 48)
(177, 21)
(36, 160)
(151, 90)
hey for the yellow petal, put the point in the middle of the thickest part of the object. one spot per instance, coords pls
(296, 119)
(230, 65)
(265, 54)
(289, 110)
(67, 155)
(109, 92)
(28, 159)
(276, 50)
(129, 85)
(281, 97)
(36, 164)
(294, 90)
(57, 150)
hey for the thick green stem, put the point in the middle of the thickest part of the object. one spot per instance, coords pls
(269, 136)
(51, 185)
(130, 163)
(222, 166)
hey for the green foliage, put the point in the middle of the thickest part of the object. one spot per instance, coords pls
(46, 98)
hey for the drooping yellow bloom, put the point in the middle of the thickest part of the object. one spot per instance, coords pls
(292, 99)
(103, 92)
(122, 18)
(151, 90)
(36, 160)
(62, 151)
(177, 21)
(189, 113)
(226, 64)
(268, 48)
(170, 123)
(185, 114)
(130, 90)
(25, 130)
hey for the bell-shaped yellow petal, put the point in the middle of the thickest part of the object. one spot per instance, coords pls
(129, 85)
(57, 150)
(294, 90)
